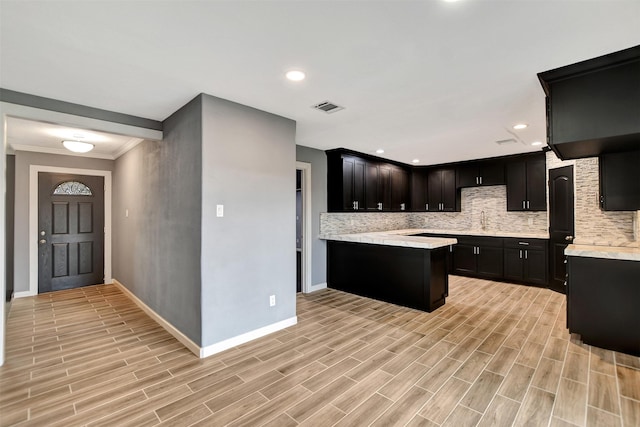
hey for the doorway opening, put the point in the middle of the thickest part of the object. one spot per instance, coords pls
(303, 227)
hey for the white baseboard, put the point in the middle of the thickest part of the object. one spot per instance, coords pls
(23, 294)
(317, 287)
(246, 337)
(210, 350)
(186, 341)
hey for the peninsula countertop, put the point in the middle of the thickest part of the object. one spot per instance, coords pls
(403, 238)
(625, 253)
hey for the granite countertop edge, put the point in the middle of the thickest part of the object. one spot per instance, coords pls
(623, 253)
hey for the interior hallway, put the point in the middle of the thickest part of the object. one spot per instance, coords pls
(495, 354)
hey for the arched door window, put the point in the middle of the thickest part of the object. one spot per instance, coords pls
(72, 188)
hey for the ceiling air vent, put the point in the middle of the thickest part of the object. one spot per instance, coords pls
(328, 107)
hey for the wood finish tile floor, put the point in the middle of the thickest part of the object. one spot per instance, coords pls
(495, 355)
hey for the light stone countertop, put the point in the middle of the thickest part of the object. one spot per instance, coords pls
(483, 233)
(606, 252)
(393, 238)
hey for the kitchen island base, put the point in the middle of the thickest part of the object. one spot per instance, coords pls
(411, 277)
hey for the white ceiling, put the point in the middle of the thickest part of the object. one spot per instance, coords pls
(427, 79)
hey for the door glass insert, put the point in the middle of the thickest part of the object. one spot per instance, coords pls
(72, 188)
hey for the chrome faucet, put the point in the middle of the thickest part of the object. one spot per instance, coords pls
(483, 220)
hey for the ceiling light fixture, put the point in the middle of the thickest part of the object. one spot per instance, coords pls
(536, 143)
(78, 146)
(295, 75)
(379, 151)
(415, 161)
(520, 126)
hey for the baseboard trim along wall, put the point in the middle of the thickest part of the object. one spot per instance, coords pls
(23, 294)
(210, 350)
(186, 341)
(317, 287)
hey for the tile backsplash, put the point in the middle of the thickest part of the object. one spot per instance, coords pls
(362, 222)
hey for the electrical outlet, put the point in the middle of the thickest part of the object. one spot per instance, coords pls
(219, 211)
(272, 300)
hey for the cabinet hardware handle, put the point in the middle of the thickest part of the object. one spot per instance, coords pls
(426, 207)
(478, 247)
(477, 180)
(520, 253)
(356, 206)
(524, 205)
(480, 180)
(568, 238)
(401, 206)
(523, 243)
(353, 205)
(379, 206)
(527, 204)
(526, 254)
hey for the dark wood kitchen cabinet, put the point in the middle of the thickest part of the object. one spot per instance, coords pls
(478, 257)
(484, 172)
(361, 184)
(602, 302)
(526, 183)
(442, 195)
(620, 181)
(593, 106)
(525, 260)
(418, 188)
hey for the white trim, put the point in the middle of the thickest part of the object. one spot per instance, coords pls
(210, 350)
(33, 218)
(317, 287)
(246, 337)
(61, 151)
(306, 225)
(24, 294)
(186, 341)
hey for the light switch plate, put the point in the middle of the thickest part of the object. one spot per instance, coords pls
(219, 210)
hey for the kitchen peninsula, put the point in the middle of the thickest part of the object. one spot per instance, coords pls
(392, 266)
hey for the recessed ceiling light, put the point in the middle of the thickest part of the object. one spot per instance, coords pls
(520, 126)
(78, 146)
(379, 151)
(415, 161)
(295, 75)
(536, 143)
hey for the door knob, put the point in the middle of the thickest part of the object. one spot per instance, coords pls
(43, 241)
(42, 233)
(568, 238)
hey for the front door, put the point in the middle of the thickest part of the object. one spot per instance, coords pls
(561, 227)
(70, 231)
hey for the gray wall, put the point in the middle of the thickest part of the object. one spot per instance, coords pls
(156, 249)
(24, 160)
(318, 160)
(248, 163)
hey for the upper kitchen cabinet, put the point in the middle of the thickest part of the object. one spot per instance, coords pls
(593, 107)
(526, 183)
(620, 181)
(419, 201)
(360, 183)
(442, 195)
(484, 172)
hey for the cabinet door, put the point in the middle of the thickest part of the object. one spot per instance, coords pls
(516, 185)
(468, 175)
(449, 190)
(399, 189)
(371, 187)
(464, 259)
(535, 266)
(419, 190)
(490, 261)
(492, 172)
(348, 168)
(536, 184)
(434, 193)
(384, 189)
(620, 181)
(513, 264)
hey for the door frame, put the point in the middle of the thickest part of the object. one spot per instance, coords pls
(306, 225)
(33, 221)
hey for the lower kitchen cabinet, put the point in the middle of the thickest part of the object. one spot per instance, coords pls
(525, 260)
(478, 257)
(602, 302)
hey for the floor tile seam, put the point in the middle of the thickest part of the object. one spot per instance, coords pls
(482, 414)
(605, 411)
(618, 387)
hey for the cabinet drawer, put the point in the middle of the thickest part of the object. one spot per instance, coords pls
(525, 243)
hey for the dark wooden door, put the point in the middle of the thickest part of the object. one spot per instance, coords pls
(399, 189)
(419, 190)
(449, 190)
(385, 190)
(561, 223)
(513, 264)
(434, 190)
(70, 231)
(516, 185)
(536, 188)
(372, 187)
(620, 181)
(490, 261)
(464, 258)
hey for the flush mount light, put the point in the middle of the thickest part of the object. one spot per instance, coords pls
(415, 161)
(78, 146)
(379, 151)
(520, 126)
(536, 143)
(295, 75)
